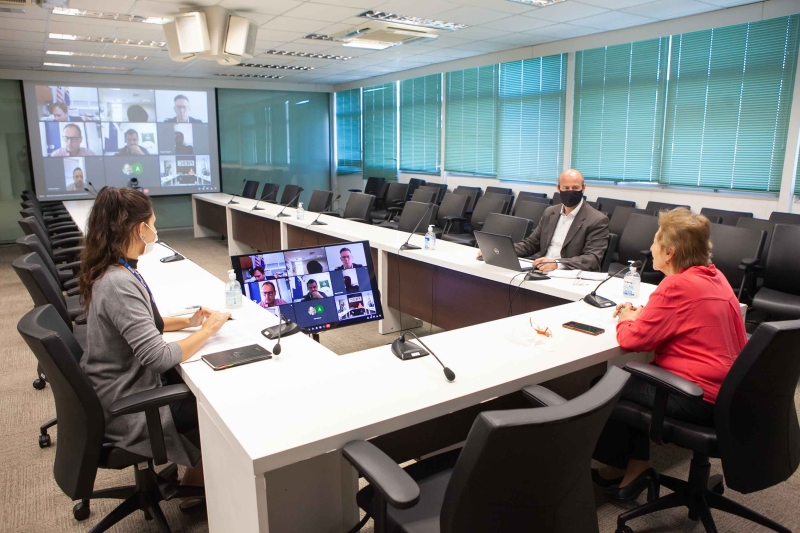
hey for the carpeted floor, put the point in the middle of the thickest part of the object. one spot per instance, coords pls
(32, 501)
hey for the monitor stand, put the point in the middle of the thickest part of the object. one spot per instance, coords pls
(286, 328)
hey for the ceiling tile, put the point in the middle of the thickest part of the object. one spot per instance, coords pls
(324, 12)
(484, 46)
(420, 8)
(309, 46)
(729, 3)
(22, 36)
(472, 16)
(258, 18)
(667, 9)
(566, 11)
(153, 8)
(268, 34)
(119, 6)
(270, 7)
(89, 30)
(479, 33)
(563, 31)
(521, 39)
(612, 21)
(361, 4)
(615, 4)
(495, 5)
(291, 24)
(516, 23)
(23, 24)
(20, 52)
(14, 43)
(144, 34)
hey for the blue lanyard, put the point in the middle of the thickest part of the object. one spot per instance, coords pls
(137, 276)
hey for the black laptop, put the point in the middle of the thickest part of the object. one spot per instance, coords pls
(498, 250)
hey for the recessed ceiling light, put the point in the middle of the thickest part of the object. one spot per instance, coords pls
(413, 21)
(277, 67)
(306, 55)
(70, 65)
(537, 3)
(107, 40)
(108, 16)
(318, 37)
(370, 45)
(263, 76)
(88, 54)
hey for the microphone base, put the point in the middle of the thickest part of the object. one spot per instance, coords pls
(598, 301)
(233, 202)
(318, 223)
(286, 329)
(536, 276)
(283, 215)
(407, 350)
(257, 209)
(410, 247)
(172, 258)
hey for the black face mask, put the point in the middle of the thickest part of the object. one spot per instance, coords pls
(571, 198)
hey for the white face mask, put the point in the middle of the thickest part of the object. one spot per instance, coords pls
(148, 246)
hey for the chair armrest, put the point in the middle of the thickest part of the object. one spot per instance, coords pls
(71, 283)
(69, 266)
(455, 219)
(542, 397)
(362, 220)
(479, 224)
(60, 242)
(353, 190)
(392, 482)
(80, 320)
(67, 254)
(647, 253)
(74, 291)
(395, 209)
(57, 219)
(149, 401)
(396, 203)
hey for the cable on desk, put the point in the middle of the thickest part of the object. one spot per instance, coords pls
(510, 297)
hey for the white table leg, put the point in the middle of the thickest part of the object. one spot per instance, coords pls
(393, 320)
(200, 231)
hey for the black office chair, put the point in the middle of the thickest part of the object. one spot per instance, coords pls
(474, 194)
(785, 218)
(453, 208)
(519, 470)
(595, 205)
(373, 186)
(269, 193)
(320, 201)
(515, 227)
(610, 253)
(500, 190)
(507, 198)
(767, 226)
(634, 245)
(420, 195)
(755, 433)
(413, 185)
(557, 198)
(539, 197)
(439, 188)
(735, 253)
(416, 216)
(661, 206)
(619, 218)
(291, 195)
(37, 272)
(82, 449)
(66, 279)
(396, 196)
(533, 211)
(250, 189)
(60, 249)
(779, 296)
(62, 224)
(358, 208)
(609, 204)
(729, 218)
(483, 208)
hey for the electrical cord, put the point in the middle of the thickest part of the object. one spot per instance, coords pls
(511, 284)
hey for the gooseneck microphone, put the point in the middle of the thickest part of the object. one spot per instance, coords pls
(173, 258)
(330, 203)
(449, 374)
(598, 301)
(94, 195)
(233, 196)
(256, 208)
(282, 214)
(277, 348)
(407, 246)
(92, 186)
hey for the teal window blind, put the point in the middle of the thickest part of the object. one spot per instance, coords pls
(470, 120)
(348, 131)
(380, 131)
(618, 118)
(531, 105)
(797, 176)
(421, 124)
(728, 101)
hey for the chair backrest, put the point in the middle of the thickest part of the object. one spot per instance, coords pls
(413, 185)
(453, 205)
(731, 245)
(474, 194)
(31, 226)
(484, 207)
(507, 198)
(637, 236)
(320, 200)
(413, 214)
(250, 189)
(609, 204)
(500, 190)
(359, 205)
(661, 206)
(785, 218)
(528, 194)
(533, 211)
(595, 205)
(768, 226)
(611, 249)
(783, 261)
(755, 415)
(619, 218)
(515, 227)
(439, 188)
(81, 423)
(290, 195)
(728, 218)
(529, 466)
(397, 192)
(270, 192)
(425, 196)
(30, 243)
(41, 286)
(373, 186)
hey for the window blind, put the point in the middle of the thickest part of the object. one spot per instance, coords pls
(618, 118)
(348, 131)
(470, 120)
(728, 101)
(797, 176)
(380, 131)
(420, 124)
(531, 103)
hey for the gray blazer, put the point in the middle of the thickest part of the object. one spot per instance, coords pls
(584, 246)
(126, 354)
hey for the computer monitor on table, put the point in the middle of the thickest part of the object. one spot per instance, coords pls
(318, 288)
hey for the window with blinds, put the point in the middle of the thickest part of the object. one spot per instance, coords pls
(470, 120)
(618, 118)
(348, 131)
(797, 176)
(728, 102)
(421, 124)
(380, 131)
(531, 103)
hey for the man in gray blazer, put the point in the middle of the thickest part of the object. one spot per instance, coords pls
(574, 233)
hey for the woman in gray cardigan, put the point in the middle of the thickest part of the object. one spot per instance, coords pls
(125, 351)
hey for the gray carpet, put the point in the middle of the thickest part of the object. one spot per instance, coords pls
(32, 501)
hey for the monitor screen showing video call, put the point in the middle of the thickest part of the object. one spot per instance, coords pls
(317, 288)
(161, 141)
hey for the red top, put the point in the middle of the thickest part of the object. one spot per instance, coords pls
(694, 325)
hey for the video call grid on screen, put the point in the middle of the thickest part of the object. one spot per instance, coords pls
(318, 288)
(160, 140)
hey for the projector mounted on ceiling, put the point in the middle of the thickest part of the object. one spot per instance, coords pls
(379, 35)
(210, 33)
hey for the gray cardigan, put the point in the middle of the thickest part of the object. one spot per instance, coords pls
(126, 354)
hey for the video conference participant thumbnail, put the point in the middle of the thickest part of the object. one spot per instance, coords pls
(129, 139)
(69, 139)
(128, 171)
(73, 174)
(189, 107)
(259, 267)
(61, 103)
(343, 257)
(311, 287)
(127, 105)
(308, 261)
(355, 305)
(183, 139)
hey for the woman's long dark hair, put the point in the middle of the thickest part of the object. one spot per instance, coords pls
(116, 212)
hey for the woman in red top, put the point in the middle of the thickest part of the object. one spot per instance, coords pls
(693, 324)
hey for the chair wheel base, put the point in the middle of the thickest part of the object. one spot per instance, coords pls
(44, 441)
(81, 511)
(39, 384)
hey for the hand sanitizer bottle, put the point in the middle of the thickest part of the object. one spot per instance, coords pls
(233, 292)
(630, 284)
(301, 213)
(430, 239)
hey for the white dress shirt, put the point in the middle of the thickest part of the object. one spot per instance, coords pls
(562, 228)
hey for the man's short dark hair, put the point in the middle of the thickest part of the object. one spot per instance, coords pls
(133, 131)
(260, 269)
(309, 282)
(59, 105)
(268, 283)
(344, 250)
(74, 126)
(76, 168)
(180, 97)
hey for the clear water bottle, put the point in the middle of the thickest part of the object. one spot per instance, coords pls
(430, 239)
(631, 282)
(301, 213)
(233, 292)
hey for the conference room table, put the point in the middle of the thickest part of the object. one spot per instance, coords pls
(272, 431)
